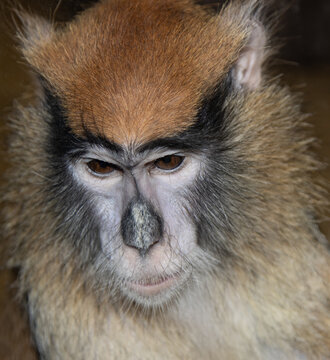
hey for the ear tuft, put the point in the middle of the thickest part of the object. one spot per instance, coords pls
(33, 33)
(248, 68)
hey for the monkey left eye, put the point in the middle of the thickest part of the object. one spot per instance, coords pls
(169, 162)
(102, 168)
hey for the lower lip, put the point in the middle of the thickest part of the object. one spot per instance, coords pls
(153, 288)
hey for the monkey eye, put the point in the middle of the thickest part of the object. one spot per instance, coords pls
(169, 162)
(101, 168)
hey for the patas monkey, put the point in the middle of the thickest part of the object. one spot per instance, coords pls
(160, 202)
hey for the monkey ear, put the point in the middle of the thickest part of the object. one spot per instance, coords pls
(248, 68)
(33, 34)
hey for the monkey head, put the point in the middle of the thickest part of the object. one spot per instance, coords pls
(139, 136)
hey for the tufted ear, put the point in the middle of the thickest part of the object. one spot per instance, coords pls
(248, 68)
(34, 33)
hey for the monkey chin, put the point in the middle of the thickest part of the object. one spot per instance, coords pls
(156, 292)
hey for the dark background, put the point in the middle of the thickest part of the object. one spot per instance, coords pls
(307, 29)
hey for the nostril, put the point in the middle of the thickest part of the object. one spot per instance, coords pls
(143, 251)
(141, 226)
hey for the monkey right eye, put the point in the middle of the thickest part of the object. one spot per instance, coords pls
(101, 168)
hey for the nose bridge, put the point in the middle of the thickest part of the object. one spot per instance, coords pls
(130, 188)
(138, 186)
(144, 188)
(141, 226)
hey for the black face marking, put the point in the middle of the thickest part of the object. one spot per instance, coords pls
(210, 124)
(63, 141)
(71, 203)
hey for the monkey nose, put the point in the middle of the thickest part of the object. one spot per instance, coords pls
(141, 226)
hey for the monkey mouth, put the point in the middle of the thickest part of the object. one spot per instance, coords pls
(153, 286)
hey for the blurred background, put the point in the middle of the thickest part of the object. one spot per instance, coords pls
(303, 60)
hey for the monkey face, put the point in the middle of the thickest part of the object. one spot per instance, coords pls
(139, 195)
(133, 210)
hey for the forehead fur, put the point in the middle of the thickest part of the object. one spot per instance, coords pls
(135, 70)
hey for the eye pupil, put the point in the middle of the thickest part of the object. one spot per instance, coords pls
(169, 162)
(167, 159)
(103, 164)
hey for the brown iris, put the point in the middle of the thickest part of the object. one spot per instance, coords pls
(101, 167)
(169, 162)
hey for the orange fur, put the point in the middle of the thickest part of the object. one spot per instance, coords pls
(135, 71)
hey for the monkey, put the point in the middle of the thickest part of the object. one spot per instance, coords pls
(161, 200)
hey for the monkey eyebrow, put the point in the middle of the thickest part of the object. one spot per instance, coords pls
(91, 139)
(174, 143)
(169, 143)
